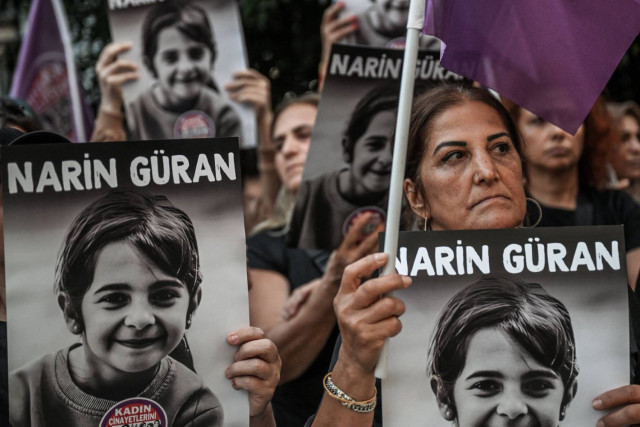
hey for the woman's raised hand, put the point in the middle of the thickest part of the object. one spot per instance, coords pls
(256, 368)
(366, 314)
(626, 402)
(113, 72)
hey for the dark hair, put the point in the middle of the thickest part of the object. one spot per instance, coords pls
(152, 224)
(524, 311)
(188, 18)
(14, 112)
(431, 105)
(309, 98)
(381, 98)
(599, 132)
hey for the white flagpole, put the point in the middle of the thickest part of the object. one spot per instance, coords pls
(414, 28)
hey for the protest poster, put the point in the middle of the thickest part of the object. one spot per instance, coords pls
(382, 23)
(526, 326)
(186, 52)
(125, 272)
(349, 162)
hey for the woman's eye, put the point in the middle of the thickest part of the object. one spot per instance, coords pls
(164, 296)
(537, 388)
(114, 299)
(537, 120)
(452, 156)
(502, 147)
(170, 57)
(196, 53)
(486, 387)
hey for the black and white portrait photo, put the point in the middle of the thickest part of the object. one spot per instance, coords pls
(349, 162)
(186, 51)
(508, 326)
(382, 23)
(120, 282)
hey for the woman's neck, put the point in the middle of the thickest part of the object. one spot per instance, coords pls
(557, 189)
(106, 382)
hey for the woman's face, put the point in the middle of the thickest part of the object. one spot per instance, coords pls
(392, 15)
(628, 162)
(502, 385)
(370, 168)
(182, 65)
(134, 314)
(291, 137)
(471, 172)
(547, 147)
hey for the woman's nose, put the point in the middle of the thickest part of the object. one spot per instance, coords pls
(512, 405)
(290, 145)
(557, 134)
(140, 315)
(485, 169)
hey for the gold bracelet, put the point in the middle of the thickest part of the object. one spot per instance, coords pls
(335, 392)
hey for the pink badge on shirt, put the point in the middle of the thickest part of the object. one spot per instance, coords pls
(194, 124)
(133, 412)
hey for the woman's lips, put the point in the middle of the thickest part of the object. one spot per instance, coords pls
(139, 342)
(489, 199)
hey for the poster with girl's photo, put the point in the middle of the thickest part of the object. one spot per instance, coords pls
(382, 23)
(186, 51)
(125, 272)
(349, 163)
(508, 327)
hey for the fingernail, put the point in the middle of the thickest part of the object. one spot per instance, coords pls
(597, 404)
(226, 372)
(380, 256)
(233, 339)
(600, 424)
(285, 314)
(406, 280)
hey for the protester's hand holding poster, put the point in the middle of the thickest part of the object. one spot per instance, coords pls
(382, 23)
(125, 269)
(349, 163)
(186, 50)
(508, 327)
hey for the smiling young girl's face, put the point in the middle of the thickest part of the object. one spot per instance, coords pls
(182, 66)
(134, 314)
(503, 385)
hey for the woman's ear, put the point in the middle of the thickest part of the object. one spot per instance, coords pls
(346, 154)
(74, 325)
(569, 394)
(447, 410)
(194, 302)
(416, 201)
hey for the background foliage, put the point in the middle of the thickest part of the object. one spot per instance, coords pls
(282, 37)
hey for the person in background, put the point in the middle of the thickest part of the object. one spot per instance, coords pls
(626, 165)
(18, 115)
(564, 172)
(464, 172)
(291, 290)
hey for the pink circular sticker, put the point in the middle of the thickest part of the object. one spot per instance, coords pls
(133, 412)
(378, 217)
(194, 124)
(397, 43)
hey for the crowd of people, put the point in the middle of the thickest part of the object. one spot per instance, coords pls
(318, 320)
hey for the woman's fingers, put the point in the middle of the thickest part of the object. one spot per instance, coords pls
(110, 53)
(256, 367)
(627, 398)
(354, 273)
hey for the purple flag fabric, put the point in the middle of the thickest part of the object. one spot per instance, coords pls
(45, 76)
(552, 57)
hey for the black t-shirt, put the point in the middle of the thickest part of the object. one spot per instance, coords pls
(595, 208)
(296, 400)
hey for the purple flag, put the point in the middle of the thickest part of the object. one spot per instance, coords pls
(46, 76)
(553, 57)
